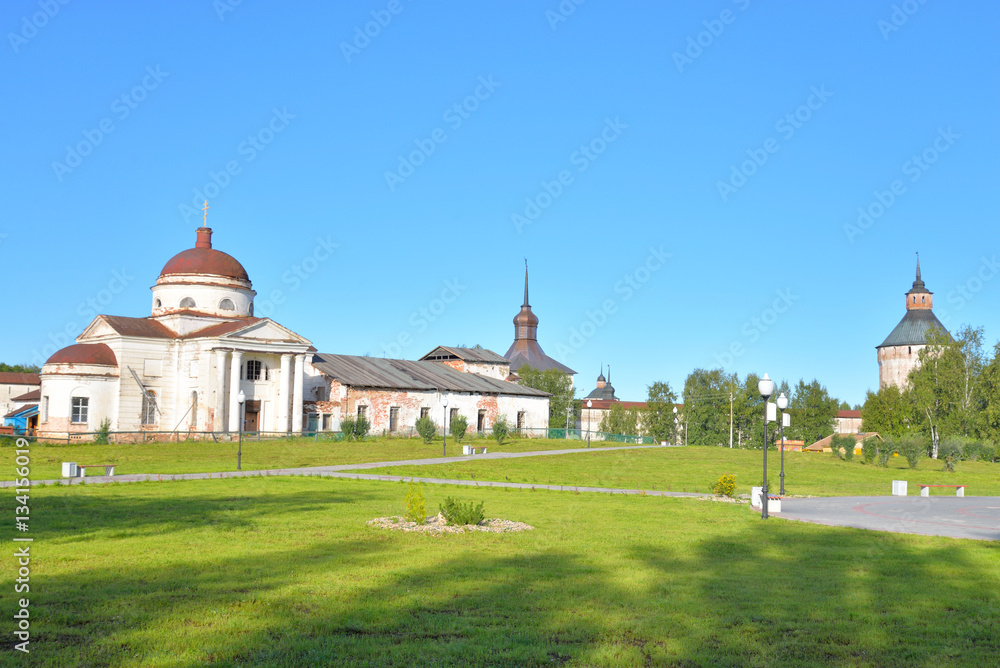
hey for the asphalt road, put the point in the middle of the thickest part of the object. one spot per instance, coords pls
(975, 517)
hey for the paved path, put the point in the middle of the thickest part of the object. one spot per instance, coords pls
(966, 517)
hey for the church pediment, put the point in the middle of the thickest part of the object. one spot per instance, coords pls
(265, 331)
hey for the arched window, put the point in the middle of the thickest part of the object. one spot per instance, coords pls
(148, 407)
(251, 308)
(157, 304)
(187, 302)
(227, 305)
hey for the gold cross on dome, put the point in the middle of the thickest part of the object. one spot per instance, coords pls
(205, 219)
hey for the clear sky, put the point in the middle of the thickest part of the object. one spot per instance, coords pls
(685, 179)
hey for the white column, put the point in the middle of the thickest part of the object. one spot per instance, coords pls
(300, 370)
(285, 387)
(234, 390)
(219, 424)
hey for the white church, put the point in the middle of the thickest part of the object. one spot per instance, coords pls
(183, 368)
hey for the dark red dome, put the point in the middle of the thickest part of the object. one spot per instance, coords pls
(203, 259)
(85, 353)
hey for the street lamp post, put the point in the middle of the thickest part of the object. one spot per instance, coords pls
(444, 430)
(782, 405)
(242, 399)
(766, 389)
(589, 417)
(676, 423)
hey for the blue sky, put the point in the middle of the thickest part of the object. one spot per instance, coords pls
(684, 179)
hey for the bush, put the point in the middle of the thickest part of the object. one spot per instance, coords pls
(990, 452)
(885, 451)
(458, 513)
(103, 433)
(726, 485)
(953, 446)
(426, 428)
(501, 429)
(842, 446)
(949, 463)
(459, 425)
(869, 450)
(913, 448)
(354, 429)
(416, 506)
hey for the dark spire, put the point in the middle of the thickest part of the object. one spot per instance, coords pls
(918, 283)
(526, 282)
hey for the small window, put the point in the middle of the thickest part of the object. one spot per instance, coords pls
(45, 408)
(481, 421)
(425, 412)
(157, 304)
(187, 302)
(393, 418)
(362, 411)
(909, 350)
(327, 421)
(520, 416)
(452, 414)
(923, 300)
(227, 305)
(148, 407)
(251, 308)
(81, 406)
(253, 370)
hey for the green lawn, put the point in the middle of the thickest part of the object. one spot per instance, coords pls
(205, 456)
(284, 572)
(696, 469)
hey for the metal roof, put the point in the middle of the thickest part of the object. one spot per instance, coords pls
(912, 329)
(527, 352)
(374, 372)
(465, 354)
(85, 353)
(19, 378)
(145, 328)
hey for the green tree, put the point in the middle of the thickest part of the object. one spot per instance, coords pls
(813, 412)
(560, 386)
(706, 406)
(659, 417)
(19, 368)
(946, 384)
(886, 412)
(620, 420)
(989, 386)
(426, 428)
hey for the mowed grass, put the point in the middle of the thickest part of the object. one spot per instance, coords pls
(696, 469)
(206, 456)
(284, 572)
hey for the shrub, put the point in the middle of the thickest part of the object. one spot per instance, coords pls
(101, 436)
(869, 450)
(7, 441)
(990, 452)
(726, 485)
(458, 513)
(953, 446)
(842, 446)
(416, 506)
(501, 429)
(913, 448)
(354, 428)
(459, 425)
(426, 428)
(949, 463)
(885, 451)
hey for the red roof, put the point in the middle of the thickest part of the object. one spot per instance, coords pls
(203, 259)
(16, 378)
(145, 328)
(220, 328)
(85, 353)
(848, 414)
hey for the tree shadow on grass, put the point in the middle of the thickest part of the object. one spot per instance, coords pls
(783, 594)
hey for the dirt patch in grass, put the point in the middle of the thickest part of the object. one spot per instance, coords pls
(437, 525)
